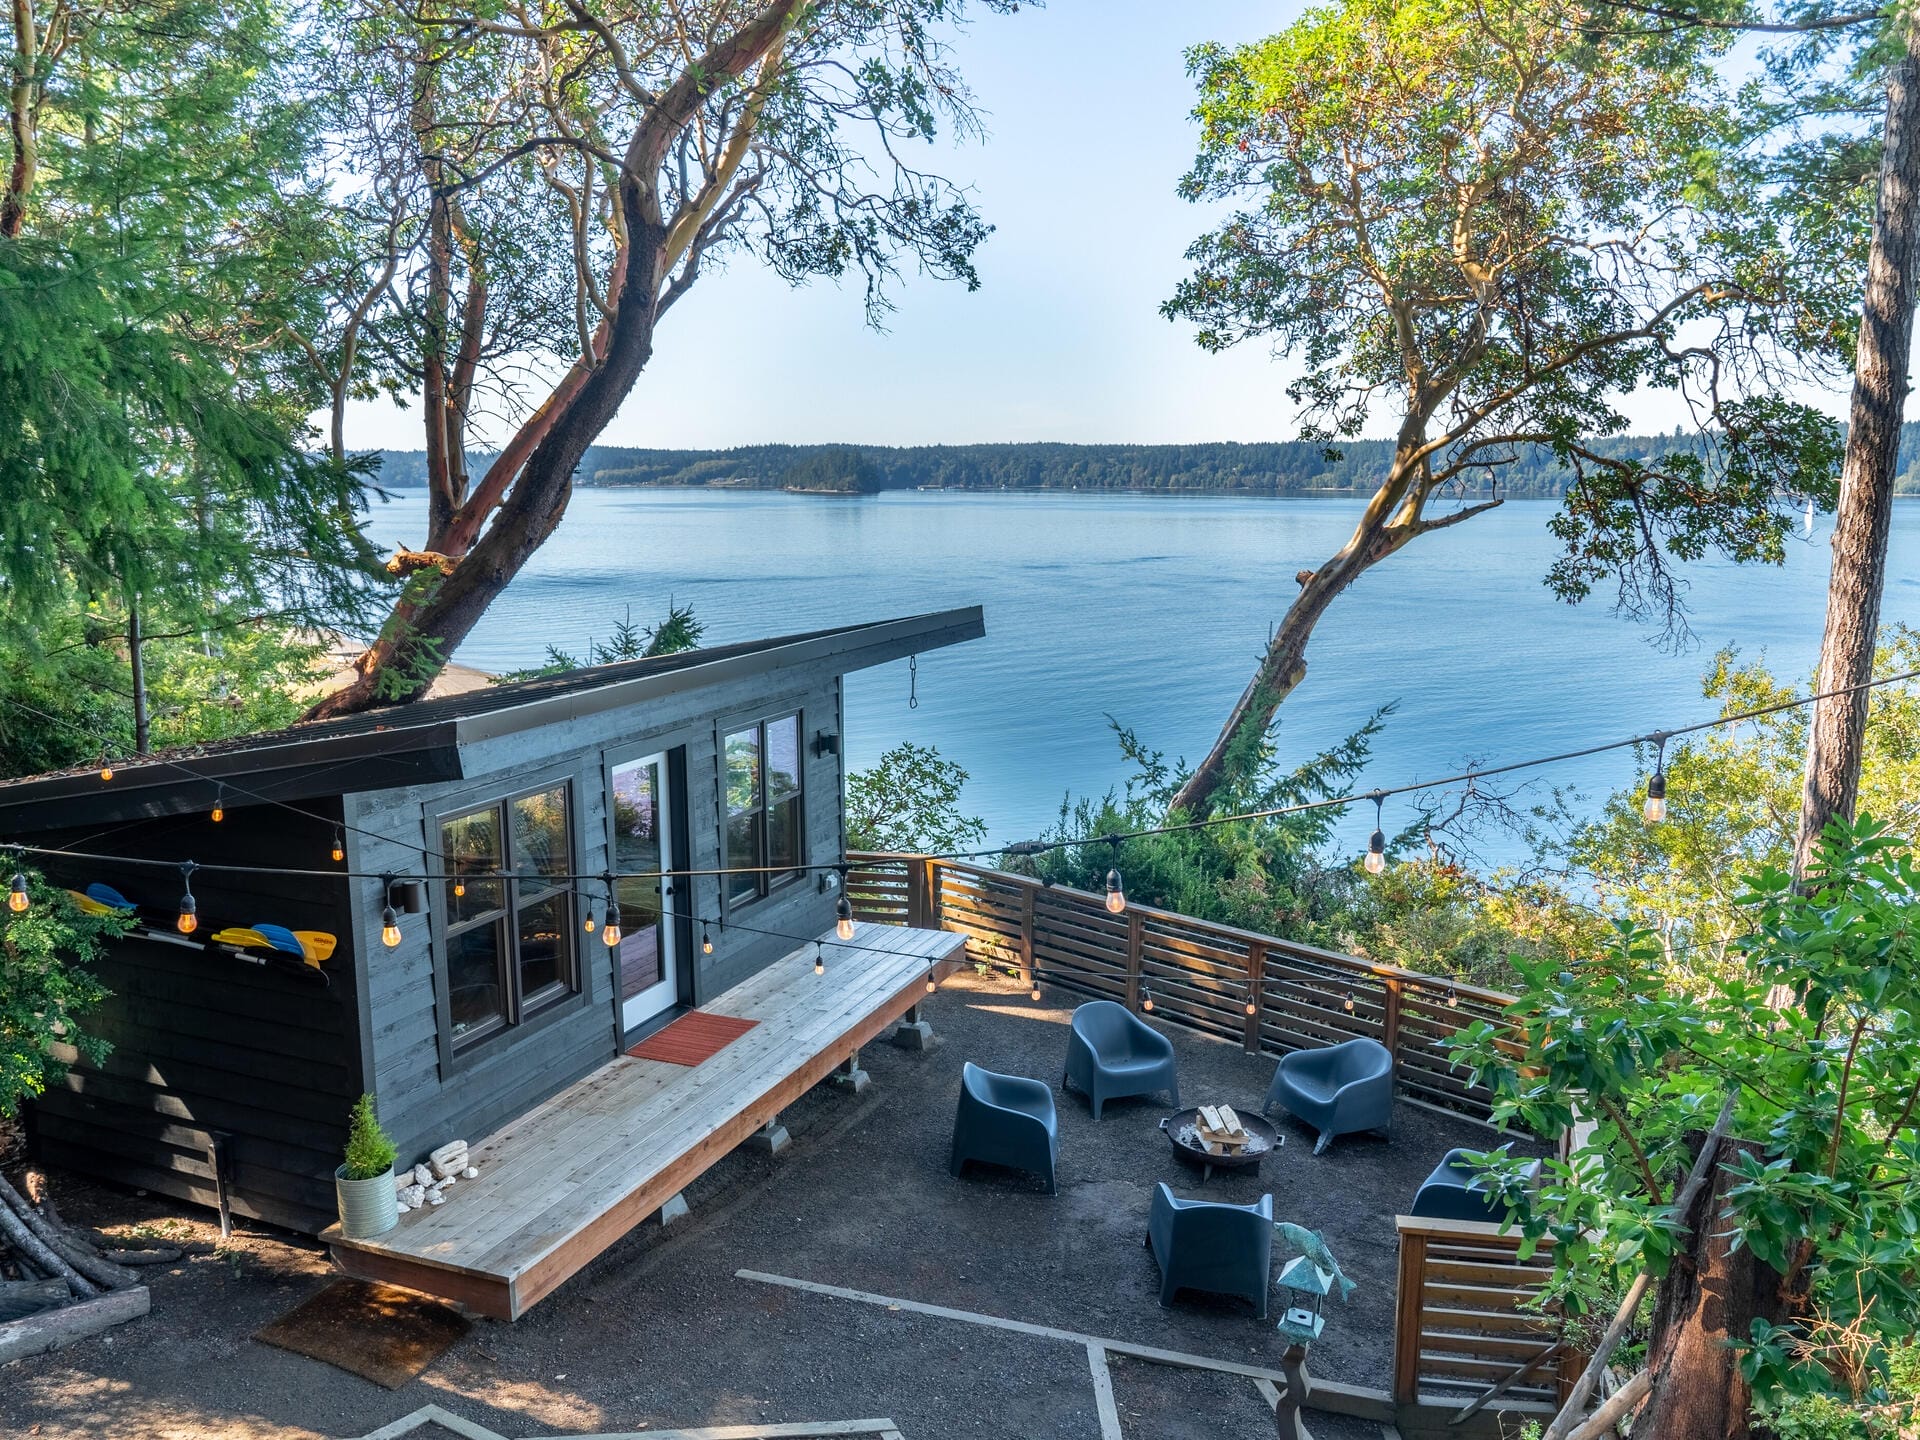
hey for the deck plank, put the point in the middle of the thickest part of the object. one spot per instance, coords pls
(564, 1181)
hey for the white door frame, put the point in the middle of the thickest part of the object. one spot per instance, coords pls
(636, 1010)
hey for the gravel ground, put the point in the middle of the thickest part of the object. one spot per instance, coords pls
(659, 1331)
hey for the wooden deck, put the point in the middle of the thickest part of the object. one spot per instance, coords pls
(566, 1180)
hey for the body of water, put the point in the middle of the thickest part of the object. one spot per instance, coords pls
(1153, 610)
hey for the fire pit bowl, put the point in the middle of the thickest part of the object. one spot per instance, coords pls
(1183, 1130)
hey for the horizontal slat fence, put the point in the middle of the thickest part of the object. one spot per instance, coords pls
(1200, 974)
(1464, 1322)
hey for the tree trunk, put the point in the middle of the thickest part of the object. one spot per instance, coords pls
(1392, 518)
(1709, 1299)
(1837, 733)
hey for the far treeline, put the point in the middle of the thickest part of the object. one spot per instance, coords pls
(1285, 467)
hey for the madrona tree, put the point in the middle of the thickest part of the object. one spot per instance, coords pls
(1489, 227)
(579, 165)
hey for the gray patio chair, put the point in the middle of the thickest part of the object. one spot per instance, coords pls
(1111, 1053)
(1205, 1245)
(1005, 1120)
(1340, 1090)
(1455, 1192)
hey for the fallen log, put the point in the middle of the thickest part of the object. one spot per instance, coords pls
(65, 1244)
(50, 1329)
(40, 1254)
(1622, 1403)
(168, 1256)
(28, 1297)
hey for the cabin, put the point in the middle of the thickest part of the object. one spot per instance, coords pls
(415, 903)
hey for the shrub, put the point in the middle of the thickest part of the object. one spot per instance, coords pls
(370, 1150)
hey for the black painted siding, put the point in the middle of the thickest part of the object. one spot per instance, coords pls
(205, 1042)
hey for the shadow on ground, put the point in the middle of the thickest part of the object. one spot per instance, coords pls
(659, 1332)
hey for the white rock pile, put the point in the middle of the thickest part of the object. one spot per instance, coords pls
(428, 1182)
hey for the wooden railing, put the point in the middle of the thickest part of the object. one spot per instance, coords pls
(1200, 974)
(1466, 1321)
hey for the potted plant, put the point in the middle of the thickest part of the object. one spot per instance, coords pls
(364, 1185)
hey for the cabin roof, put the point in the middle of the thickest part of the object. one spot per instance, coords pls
(421, 742)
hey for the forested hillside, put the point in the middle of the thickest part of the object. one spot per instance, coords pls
(1292, 467)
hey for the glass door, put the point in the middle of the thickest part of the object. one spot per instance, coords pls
(643, 841)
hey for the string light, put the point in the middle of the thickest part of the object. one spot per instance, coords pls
(1253, 1005)
(339, 850)
(1116, 892)
(843, 917)
(819, 958)
(610, 932)
(106, 766)
(589, 923)
(1376, 861)
(189, 918)
(933, 982)
(459, 888)
(706, 939)
(1034, 993)
(1146, 998)
(1655, 808)
(389, 927)
(17, 896)
(1453, 997)
(219, 805)
(1347, 1004)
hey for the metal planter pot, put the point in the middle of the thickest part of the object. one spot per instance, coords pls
(367, 1207)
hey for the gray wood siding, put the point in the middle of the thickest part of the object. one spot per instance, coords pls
(424, 1098)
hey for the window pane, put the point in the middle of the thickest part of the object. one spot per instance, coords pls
(540, 833)
(471, 844)
(544, 936)
(474, 999)
(783, 834)
(783, 759)
(743, 849)
(743, 775)
(638, 846)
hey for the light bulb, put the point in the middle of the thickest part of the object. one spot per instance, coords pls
(189, 920)
(1453, 997)
(819, 959)
(706, 941)
(459, 887)
(1347, 1004)
(1116, 896)
(106, 772)
(389, 927)
(219, 812)
(932, 984)
(339, 850)
(1253, 1006)
(588, 923)
(1146, 999)
(1034, 994)
(1656, 807)
(843, 918)
(610, 932)
(1376, 861)
(17, 896)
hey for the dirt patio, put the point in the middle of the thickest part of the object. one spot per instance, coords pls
(661, 1331)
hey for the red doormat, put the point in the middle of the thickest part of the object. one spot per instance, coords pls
(692, 1038)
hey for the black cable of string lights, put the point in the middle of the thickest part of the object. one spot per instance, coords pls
(1657, 738)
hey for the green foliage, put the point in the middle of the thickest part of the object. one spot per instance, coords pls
(370, 1150)
(1733, 808)
(1495, 221)
(836, 469)
(679, 631)
(1815, 1023)
(153, 445)
(46, 987)
(910, 801)
(66, 700)
(1260, 874)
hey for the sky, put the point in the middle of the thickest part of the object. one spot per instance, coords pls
(1086, 104)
